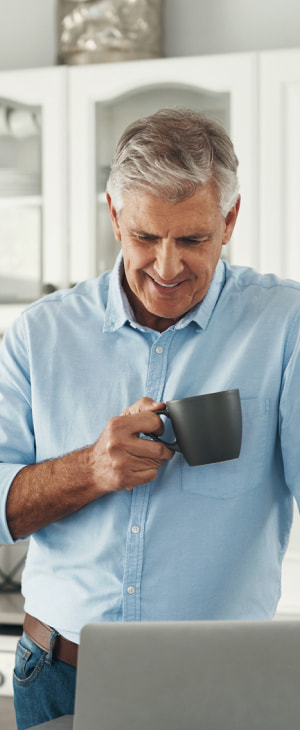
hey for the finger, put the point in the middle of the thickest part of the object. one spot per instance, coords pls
(142, 405)
(149, 451)
(144, 478)
(139, 475)
(132, 471)
(122, 437)
(134, 424)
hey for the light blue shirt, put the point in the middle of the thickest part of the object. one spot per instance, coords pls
(201, 542)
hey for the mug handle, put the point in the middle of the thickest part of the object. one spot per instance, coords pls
(171, 445)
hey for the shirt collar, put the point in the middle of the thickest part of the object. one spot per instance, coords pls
(119, 312)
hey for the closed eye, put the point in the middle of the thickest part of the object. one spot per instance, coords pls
(145, 237)
(194, 241)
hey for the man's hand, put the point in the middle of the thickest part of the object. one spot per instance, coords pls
(120, 458)
(45, 492)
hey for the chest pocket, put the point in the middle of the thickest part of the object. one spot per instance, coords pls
(231, 479)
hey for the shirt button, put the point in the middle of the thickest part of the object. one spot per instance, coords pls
(135, 529)
(159, 350)
(131, 589)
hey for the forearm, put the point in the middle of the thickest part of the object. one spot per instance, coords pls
(46, 492)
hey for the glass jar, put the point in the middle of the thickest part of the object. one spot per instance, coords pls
(95, 31)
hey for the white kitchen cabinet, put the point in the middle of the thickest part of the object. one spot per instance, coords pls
(104, 99)
(279, 162)
(279, 219)
(33, 187)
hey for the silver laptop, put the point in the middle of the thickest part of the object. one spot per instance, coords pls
(187, 676)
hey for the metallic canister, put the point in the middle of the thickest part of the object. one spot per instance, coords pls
(96, 31)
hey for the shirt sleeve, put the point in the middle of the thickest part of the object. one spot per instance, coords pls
(289, 411)
(17, 444)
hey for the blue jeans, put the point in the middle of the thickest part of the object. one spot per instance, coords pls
(44, 687)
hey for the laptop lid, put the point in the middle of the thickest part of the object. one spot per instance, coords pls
(189, 676)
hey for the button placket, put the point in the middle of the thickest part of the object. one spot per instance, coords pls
(157, 365)
(134, 554)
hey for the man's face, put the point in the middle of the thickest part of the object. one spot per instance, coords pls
(170, 251)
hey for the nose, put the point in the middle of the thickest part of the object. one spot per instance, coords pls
(168, 264)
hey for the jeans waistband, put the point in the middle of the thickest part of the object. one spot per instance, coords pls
(40, 633)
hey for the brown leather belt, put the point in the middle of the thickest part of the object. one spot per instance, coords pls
(40, 633)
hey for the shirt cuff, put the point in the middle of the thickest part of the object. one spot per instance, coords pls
(8, 472)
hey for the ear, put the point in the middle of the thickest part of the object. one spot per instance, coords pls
(230, 221)
(114, 218)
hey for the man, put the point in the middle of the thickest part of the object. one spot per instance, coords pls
(122, 529)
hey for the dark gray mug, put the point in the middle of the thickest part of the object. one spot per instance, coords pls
(207, 428)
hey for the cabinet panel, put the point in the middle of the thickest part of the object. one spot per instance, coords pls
(279, 234)
(279, 155)
(33, 194)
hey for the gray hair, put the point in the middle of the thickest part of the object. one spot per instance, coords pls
(171, 154)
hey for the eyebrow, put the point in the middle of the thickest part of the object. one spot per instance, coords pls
(195, 236)
(199, 236)
(137, 232)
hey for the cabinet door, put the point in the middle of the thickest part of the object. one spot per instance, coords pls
(279, 188)
(104, 99)
(279, 152)
(33, 245)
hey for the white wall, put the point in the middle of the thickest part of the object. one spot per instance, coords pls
(27, 33)
(224, 26)
(28, 28)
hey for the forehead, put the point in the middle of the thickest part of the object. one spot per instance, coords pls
(144, 211)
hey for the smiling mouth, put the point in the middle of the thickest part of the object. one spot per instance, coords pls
(165, 286)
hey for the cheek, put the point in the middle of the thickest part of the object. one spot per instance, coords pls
(200, 265)
(136, 259)
(133, 270)
(203, 268)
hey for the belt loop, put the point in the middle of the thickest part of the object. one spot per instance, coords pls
(52, 640)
